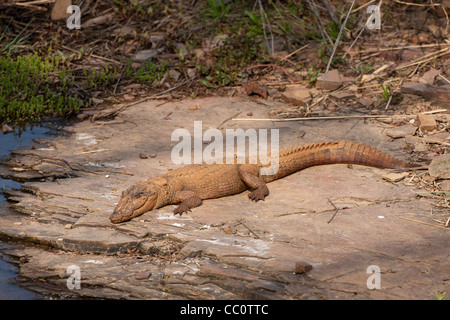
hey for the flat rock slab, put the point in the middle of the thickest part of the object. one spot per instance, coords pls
(337, 220)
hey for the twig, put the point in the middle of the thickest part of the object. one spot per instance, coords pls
(434, 111)
(425, 58)
(296, 51)
(444, 78)
(33, 2)
(270, 65)
(315, 118)
(363, 6)
(251, 231)
(319, 22)
(425, 223)
(418, 4)
(118, 80)
(335, 212)
(336, 44)
(262, 13)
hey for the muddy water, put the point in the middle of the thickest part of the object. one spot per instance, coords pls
(9, 289)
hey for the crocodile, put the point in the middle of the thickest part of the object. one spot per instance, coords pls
(188, 186)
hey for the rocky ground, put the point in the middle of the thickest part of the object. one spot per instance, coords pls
(314, 237)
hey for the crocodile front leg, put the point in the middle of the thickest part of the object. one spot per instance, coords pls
(249, 174)
(187, 200)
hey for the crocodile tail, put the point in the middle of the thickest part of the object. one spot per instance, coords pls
(357, 153)
(347, 152)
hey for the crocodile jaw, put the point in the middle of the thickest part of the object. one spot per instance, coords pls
(134, 202)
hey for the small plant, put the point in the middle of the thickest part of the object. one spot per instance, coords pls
(17, 41)
(312, 75)
(440, 296)
(256, 28)
(216, 9)
(150, 72)
(363, 69)
(387, 91)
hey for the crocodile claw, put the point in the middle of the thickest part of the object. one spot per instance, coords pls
(182, 208)
(257, 195)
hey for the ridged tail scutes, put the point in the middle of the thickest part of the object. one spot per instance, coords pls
(344, 152)
(358, 153)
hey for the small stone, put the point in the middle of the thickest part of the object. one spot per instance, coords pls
(429, 76)
(193, 108)
(82, 116)
(332, 82)
(97, 101)
(401, 132)
(142, 275)
(439, 167)
(366, 102)
(445, 185)
(6, 129)
(144, 55)
(415, 88)
(395, 177)
(440, 95)
(341, 95)
(68, 226)
(143, 155)
(302, 267)
(297, 95)
(426, 122)
(174, 74)
(191, 73)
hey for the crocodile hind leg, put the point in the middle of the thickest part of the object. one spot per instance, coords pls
(187, 200)
(249, 174)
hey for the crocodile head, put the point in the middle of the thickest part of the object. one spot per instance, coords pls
(136, 200)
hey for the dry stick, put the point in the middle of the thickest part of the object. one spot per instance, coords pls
(295, 17)
(316, 118)
(92, 55)
(330, 10)
(336, 44)
(351, 46)
(335, 212)
(319, 22)
(425, 223)
(418, 4)
(31, 3)
(407, 47)
(363, 6)
(444, 78)
(273, 66)
(261, 10)
(118, 80)
(426, 58)
(152, 96)
(296, 51)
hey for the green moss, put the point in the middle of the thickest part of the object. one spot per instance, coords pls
(30, 89)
